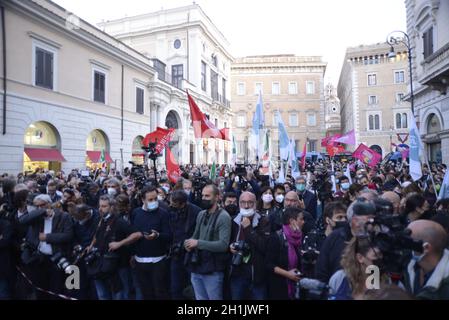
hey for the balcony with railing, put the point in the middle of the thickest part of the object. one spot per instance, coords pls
(216, 97)
(436, 69)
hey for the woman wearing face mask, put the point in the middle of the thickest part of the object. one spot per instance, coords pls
(265, 205)
(350, 282)
(283, 256)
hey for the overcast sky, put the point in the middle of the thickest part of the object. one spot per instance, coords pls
(253, 27)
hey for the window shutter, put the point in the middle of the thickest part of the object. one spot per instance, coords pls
(39, 67)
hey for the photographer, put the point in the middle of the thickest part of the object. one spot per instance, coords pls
(427, 274)
(50, 232)
(251, 232)
(283, 257)
(151, 251)
(183, 217)
(104, 256)
(208, 247)
(331, 251)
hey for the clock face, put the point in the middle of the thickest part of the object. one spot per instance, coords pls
(177, 44)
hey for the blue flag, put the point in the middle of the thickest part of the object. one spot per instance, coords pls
(415, 151)
(258, 125)
(444, 191)
(283, 139)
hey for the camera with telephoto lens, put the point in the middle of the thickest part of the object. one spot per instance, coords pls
(194, 257)
(311, 289)
(138, 175)
(61, 262)
(243, 250)
(389, 234)
(91, 256)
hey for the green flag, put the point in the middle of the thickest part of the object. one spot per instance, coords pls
(212, 172)
(103, 160)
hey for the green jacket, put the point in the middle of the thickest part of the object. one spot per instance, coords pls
(216, 240)
(437, 287)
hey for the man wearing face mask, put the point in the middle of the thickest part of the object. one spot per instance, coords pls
(334, 216)
(331, 251)
(309, 198)
(344, 187)
(208, 247)
(279, 195)
(231, 204)
(247, 273)
(113, 187)
(151, 251)
(427, 274)
(182, 224)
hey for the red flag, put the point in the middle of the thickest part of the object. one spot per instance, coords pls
(222, 172)
(173, 171)
(225, 134)
(163, 137)
(367, 155)
(303, 159)
(332, 150)
(202, 127)
(330, 140)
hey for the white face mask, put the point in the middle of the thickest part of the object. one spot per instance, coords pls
(152, 205)
(247, 212)
(112, 191)
(267, 198)
(167, 189)
(160, 198)
(279, 198)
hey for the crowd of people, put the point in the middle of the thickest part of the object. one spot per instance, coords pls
(236, 235)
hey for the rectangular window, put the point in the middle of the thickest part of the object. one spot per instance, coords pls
(428, 42)
(241, 89)
(99, 86)
(203, 76)
(310, 87)
(372, 100)
(258, 88)
(293, 119)
(312, 145)
(311, 119)
(399, 77)
(399, 97)
(292, 88)
(177, 74)
(223, 89)
(241, 121)
(160, 68)
(275, 88)
(140, 100)
(372, 79)
(214, 84)
(44, 68)
(374, 122)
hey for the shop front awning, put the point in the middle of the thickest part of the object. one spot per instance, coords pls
(37, 154)
(94, 156)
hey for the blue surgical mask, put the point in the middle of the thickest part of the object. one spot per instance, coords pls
(300, 187)
(417, 257)
(345, 185)
(152, 205)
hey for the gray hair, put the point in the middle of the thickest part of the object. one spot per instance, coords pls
(43, 197)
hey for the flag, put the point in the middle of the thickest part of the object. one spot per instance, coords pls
(103, 160)
(258, 124)
(283, 139)
(202, 127)
(304, 155)
(161, 135)
(415, 151)
(367, 155)
(330, 140)
(444, 190)
(265, 155)
(281, 178)
(270, 174)
(222, 171)
(348, 174)
(348, 138)
(173, 170)
(212, 172)
(225, 134)
(332, 150)
(293, 161)
(334, 183)
(234, 151)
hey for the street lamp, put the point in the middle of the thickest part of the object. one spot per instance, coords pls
(392, 54)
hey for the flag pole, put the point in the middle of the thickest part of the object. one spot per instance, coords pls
(430, 172)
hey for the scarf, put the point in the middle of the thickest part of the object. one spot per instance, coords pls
(294, 241)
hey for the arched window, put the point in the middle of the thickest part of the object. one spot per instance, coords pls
(376, 122)
(371, 122)
(404, 121)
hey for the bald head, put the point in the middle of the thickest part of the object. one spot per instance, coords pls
(431, 232)
(393, 198)
(291, 200)
(247, 200)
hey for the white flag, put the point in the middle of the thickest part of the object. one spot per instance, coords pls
(415, 151)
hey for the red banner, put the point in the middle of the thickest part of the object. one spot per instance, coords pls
(161, 135)
(173, 170)
(367, 155)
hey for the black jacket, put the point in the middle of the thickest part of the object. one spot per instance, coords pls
(61, 235)
(257, 238)
(310, 202)
(6, 244)
(182, 225)
(277, 256)
(85, 233)
(330, 254)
